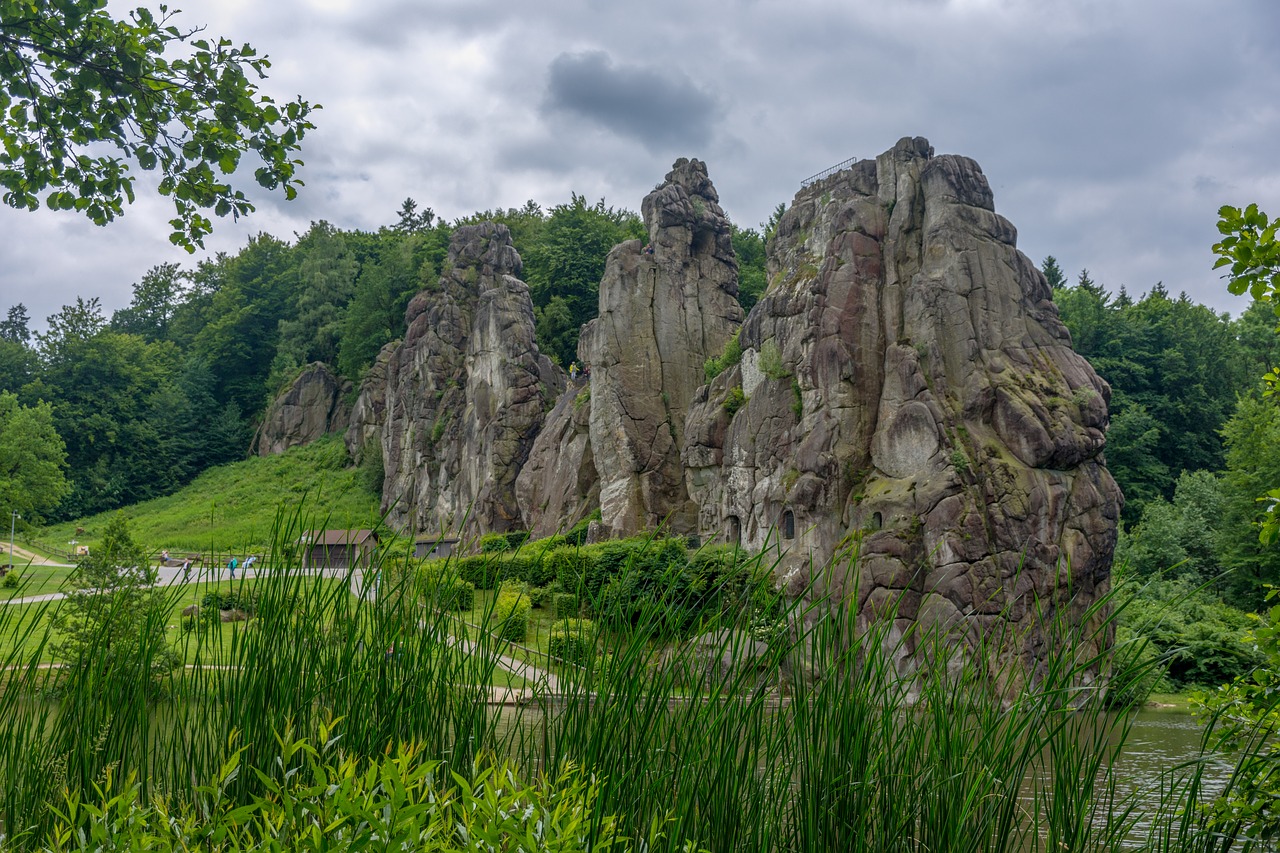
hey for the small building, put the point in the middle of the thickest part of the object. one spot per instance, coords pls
(338, 549)
(430, 547)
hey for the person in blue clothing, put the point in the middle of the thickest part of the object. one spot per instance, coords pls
(231, 564)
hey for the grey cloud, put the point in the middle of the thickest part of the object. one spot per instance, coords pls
(658, 109)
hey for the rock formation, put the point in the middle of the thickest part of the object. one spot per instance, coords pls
(663, 313)
(456, 405)
(558, 486)
(313, 406)
(906, 383)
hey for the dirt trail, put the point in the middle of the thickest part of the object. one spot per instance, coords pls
(22, 557)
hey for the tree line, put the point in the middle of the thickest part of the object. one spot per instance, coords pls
(1192, 441)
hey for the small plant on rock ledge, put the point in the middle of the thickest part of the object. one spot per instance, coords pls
(771, 361)
(735, 400)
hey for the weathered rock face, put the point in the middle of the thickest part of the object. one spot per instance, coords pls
(558, 486)
(312, 407)
(662, 314)
(456, 405)
(908, 384)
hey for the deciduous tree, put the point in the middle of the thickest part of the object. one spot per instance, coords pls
(85, 96)
(32, 459)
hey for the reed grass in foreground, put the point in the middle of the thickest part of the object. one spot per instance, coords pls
(338, 713)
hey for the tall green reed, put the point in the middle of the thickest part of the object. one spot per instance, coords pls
(840, 730)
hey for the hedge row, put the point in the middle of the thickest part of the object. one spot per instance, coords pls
(624, 581)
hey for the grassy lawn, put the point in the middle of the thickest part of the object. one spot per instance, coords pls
(234, 507)
(540, 622)
(22, 626)
(36, 580)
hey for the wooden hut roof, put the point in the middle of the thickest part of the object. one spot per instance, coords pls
(339, 537)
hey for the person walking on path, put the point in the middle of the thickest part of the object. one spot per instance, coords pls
(231, 564)
(186, 568)
(249, 562)
(573, 371)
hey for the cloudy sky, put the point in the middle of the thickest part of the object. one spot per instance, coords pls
(1111, 132)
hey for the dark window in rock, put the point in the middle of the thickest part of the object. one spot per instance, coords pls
(788, 525)
(877, 521)
(733, 530)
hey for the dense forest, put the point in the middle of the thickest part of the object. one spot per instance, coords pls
(1192, 442)
(174, 382)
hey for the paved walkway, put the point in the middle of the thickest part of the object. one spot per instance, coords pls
(540, 681)
(173, 576)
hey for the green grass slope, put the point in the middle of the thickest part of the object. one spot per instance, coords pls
(234, 507)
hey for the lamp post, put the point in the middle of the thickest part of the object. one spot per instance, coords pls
(13, 520)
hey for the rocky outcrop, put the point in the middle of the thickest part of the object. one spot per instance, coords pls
(663, 313)
(906, 386)
(905, 392)
(313, 406)
(456, 405)
(558, 485)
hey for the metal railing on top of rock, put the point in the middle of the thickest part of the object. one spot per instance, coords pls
(825, 173)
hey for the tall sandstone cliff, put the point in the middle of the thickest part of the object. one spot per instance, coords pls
(905, 386)
(614, 440)
(455, 406)
(910, 386)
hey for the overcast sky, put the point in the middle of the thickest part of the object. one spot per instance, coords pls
(1110, 131)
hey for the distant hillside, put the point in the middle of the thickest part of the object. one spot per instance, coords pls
(234, 506)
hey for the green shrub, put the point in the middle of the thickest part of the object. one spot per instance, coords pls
(11, 580)
(577, 534)
(734, 400)
(1203, 642)
(212, 602)
(450, 593)
(492, 543)
(496, 543)
(573, 641)
(482, 570)
(511, 613)
(1137, 671)
(540, 596)
(527, 566)
(771, 361)
(441, 586)
(323, 799)
(732, 354)
(564, 605)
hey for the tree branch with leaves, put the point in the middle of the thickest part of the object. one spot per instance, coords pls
(1249, 247)
(76, 83)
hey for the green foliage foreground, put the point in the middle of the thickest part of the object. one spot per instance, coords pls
(811, 736)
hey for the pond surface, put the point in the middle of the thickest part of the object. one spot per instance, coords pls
(1161, 742)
